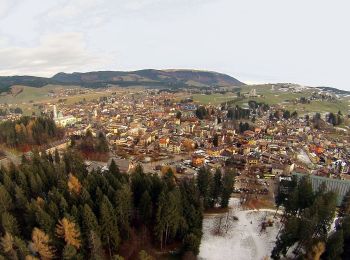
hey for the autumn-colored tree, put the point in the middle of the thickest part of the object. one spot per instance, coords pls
(40, 244)
(68, 231)
(188, 144)
(316, 251)
(7, 246)
(74, 184)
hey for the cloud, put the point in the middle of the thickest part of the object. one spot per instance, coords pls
(80, 13)
(141, 4)
(6, 6)
(54, 53)
(91, 13)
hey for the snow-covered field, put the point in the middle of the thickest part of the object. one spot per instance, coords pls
(243, 240)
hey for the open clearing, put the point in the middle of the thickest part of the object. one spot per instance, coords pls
(283, 98)
(30, 97)
(243, 239)
(213, 99)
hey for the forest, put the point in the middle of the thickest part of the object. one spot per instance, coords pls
(29, 131)
(307, 219)
(51, 207)
(4, 112)
(91, 148)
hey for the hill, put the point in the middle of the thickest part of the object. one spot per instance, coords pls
(149, 77)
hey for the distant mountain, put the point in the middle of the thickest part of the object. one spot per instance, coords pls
(149, 77)
(334, 90)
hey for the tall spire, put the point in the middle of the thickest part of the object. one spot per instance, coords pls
(54, 111)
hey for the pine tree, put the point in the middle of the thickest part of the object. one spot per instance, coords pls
(44, 220)
(191, 243)
(8, 246)
(215, 189)
(69, 232)
(334, 246)
(345, 205)
(20, 198)
(5, 200)
(109, 226)
(9, 224)
(168, 216)
(123, 208)
(21, 248)
(227, 188)
(113, 168)
(145, 208)
(95, 246)
(69, 252)
(203, 182)
(40, 244)
(102, 144)
(89, 221)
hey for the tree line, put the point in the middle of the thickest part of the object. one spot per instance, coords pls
(4, 112)
(307, 219)
(29, 131)
(215, 189)
(92, 148)
(52, 207)
(335, 119)
(236, 113)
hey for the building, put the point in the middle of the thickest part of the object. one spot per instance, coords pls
(61, 120)
(340, 187)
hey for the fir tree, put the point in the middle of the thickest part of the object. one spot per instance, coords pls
(227, 188)
(109, 226)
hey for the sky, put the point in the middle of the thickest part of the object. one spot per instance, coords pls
(255, 41)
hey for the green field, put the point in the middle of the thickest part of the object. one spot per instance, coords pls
(213, 99)
(30, 97)
(276, 97)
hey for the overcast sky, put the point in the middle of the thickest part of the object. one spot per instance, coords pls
(302, 41)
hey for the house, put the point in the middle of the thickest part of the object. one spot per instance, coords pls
(253, 160)
(146, 139)
(215, 151)
(163, 142)
(174, 147)
(277, 169)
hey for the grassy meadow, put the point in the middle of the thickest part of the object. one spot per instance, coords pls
(274, 97)
(30, 97)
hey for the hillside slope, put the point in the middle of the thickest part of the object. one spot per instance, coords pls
(149, 77)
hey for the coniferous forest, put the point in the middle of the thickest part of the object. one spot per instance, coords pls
(51, 207)
(29, 131)
(307, 219)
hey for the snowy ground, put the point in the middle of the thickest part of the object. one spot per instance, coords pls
(243, 240)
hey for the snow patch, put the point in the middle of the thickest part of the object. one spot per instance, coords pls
(244, 239)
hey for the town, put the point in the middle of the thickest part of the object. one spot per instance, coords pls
(173, 134)
(163, 130)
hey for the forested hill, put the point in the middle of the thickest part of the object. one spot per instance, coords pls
(149, 77)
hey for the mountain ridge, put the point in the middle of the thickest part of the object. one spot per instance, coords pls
(170, 78)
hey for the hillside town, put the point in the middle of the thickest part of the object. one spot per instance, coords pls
(265, 146)
(162, 130)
